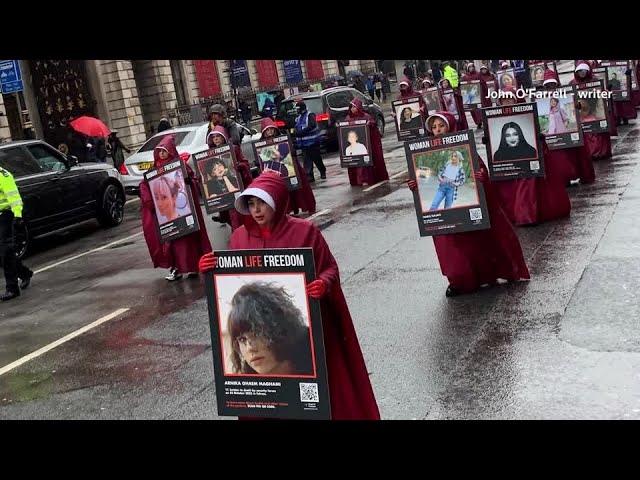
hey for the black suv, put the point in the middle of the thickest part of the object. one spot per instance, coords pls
(58, 192)
(330, 106)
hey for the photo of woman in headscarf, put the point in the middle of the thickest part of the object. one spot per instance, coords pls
(268, 333)
(558, 119)
(513, 145)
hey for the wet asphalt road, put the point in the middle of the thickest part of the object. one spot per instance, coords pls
(564, 345)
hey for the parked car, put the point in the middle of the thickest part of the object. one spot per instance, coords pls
(190, 139)
(330, 105)
(58, 192)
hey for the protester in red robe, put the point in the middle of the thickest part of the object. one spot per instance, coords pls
(535, 200)
(217, 138)
(181, 255)
(301, 198)
(573, 163)
(378, 171)
(453, 103)
(598, 144)
(471, 260)
(267, 225)
(624, 110)
(472, 74)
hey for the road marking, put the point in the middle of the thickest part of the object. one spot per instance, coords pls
(87, 253)
(402, 172)
(66, 338)
(137, 199)
(321, 212)
(375, 185)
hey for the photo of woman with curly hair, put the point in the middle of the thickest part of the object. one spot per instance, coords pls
(267, 332)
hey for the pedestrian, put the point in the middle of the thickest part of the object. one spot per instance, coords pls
(535, 200)
(450, 74)
(307, 136)
(267, 226)
(164, 124)
(371, 88)
(100, 146)
(479, 258)
(245, 112)
(10, 222)
(300, 199)
(360, 85)
(218, 117)
(180, 256)
(217, 138)
(377, 83)
(377, 172)
(452, 102)
(407, 91)
(268, 109)
(116, 146)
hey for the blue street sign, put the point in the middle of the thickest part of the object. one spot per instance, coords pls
(10, 76)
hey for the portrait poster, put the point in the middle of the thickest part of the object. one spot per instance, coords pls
(219, 180)
(492, 91)
(513, 145)
(355, 144)
(559, 117)
(449, 102)
(617, 80)
(409, 119)
(172, 200)
(471, 92)
(506, 79)
(594, 108)
(266, 335)
(431, 97)
(536, 71)
(449, 199)
(275, 154)
(634, 75)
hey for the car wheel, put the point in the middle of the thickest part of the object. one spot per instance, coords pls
(380, 124)
(21, 241)
(112, 210)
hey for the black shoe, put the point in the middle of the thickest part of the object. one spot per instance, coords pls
(26, 281)
(10, 295)
(312, 180)
(480, 126)
(216, 218)
(625, 121)
(452, 291)
(323, 176)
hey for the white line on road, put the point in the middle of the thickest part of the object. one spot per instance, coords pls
(375, 185)
(321, 212)
(137, 199)
(401, 172)
(66, 338)
(87, 253)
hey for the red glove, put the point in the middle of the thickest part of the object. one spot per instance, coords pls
(316, 289)
(481, 175)
(412, 184)
(207, 262)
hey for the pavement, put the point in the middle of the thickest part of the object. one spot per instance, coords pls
(563, 345)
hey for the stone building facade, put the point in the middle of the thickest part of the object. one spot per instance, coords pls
(133, 95)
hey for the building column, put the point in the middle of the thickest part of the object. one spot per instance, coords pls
(192, 80)
(122, 102)
(156, 91)
(5, 133)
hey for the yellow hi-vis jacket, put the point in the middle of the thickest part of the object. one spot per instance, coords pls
(451, 75)
(9, 195)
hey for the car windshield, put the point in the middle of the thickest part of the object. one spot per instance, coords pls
(182, 137)
(288, 107)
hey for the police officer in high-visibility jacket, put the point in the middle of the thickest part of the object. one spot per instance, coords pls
(11, 219)
(307, 135)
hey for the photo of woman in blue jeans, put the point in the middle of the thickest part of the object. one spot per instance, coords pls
(451, 176)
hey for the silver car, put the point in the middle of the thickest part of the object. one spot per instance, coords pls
(190, 139)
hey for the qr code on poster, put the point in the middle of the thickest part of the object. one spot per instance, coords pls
(575, 137)
(475, 214)
(534, 165)
(294, 180)
(190, 220)
(309, 392)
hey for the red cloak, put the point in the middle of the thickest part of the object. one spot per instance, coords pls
(598, 144)
(378, 171)
(476, 113)
(351, 394)
(303, 197)
(472, 259)
(461, 123)
(182, 253)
